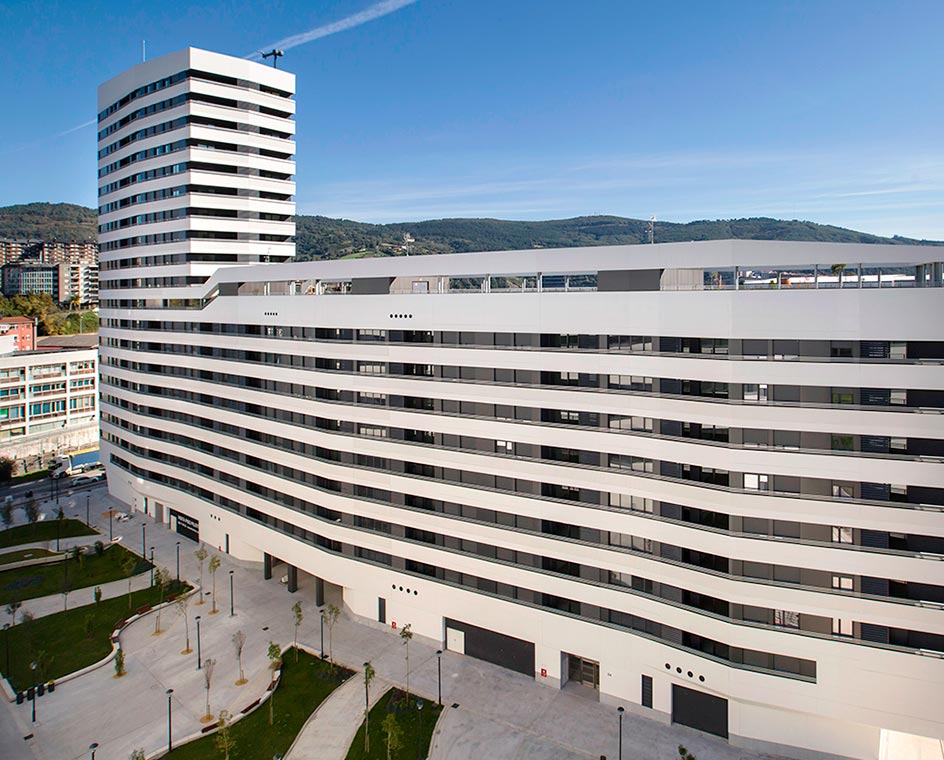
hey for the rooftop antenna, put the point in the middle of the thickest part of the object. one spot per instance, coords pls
(651, 228)
(274, 55)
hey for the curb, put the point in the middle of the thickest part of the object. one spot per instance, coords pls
(210, 728)
(115, 646)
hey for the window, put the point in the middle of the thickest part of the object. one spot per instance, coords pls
(842, 396)
(842, 491)
(372, 398)
(372, 431)
(755, 392)
(898, 445)
(631, 383)
(842, 627)
(898, 397)
(619, 422)
(635, 503)
(898, 350)
(787, 619)
(628, 462)
(841, 442)
(505, 447)
(370, 368)
(842, 535)
(754, 482)
(842, 582)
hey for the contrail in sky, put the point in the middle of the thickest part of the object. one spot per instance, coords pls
(83, 125)
(368, 14)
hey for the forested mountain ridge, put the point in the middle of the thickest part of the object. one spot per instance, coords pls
(320, 237)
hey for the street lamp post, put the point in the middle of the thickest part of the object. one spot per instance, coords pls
(232, 611)
(439, 673)
(143, 541)
(170, 744)
(419, 736)
(110, 536)
(92, 747)
(619, 710)
(88, 496)
(33, 689)
(58, 526)
(178, 561)
(152, 567)
(199, 660)
(322, 617)
(6, 627)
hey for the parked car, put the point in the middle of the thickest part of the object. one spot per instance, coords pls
(87, 480)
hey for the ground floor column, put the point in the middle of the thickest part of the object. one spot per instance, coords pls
(267, 566)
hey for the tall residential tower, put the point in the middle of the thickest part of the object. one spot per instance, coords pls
(703, 480)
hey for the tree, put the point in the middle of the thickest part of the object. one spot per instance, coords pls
(332, 614)
(137, 754)
(43, 660)
(182, 606)
(406, 635)
(31, 510)
(6, 469)
(239, 641)
(208, 665)
(129, 563)
(201, 554)
(275, 662)
(119, 663)
(12, 608)
(393, 733)
(213, 567)
(297, 612)
(98, 595)
(684, 754)
(162, 578)
(6, 513)
(369, 674)
(224, 741)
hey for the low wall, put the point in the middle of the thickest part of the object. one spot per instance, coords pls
(50, 443)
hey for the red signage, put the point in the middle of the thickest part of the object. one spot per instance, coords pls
(393, 623)
(543, 672)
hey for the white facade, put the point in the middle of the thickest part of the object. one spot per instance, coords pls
(713, 465)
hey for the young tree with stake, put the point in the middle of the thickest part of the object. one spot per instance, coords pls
(208, 666)
(332, 614)
(369, 674)
(182, 605)
(394, 735)
(162, 579)
(225, 742)
(406, 634)
(201, 554)
(129, 564)
(239, 641)
(213, 567)
(275, 662)
(297, 612)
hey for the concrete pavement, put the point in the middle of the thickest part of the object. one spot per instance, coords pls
(501, 714)
(329, 732)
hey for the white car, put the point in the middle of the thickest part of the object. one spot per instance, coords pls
(86, 480)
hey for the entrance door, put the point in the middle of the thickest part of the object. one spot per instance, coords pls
(582, 671)
(455, 640)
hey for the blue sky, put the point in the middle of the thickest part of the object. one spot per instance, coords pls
(533, 109)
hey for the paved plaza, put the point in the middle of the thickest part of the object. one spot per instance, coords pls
(501, 714)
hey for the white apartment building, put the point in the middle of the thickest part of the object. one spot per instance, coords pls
(48, 400)
(703, 480)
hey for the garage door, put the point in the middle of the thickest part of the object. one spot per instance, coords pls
(497, 648)
(696, 709)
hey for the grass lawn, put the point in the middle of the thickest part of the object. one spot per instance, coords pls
(304, 685)
(416, 728)
(43, 531)
(29, 476)
(64, 638)
(33, 582)
(19, 555)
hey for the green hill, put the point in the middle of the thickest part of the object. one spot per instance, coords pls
(48, 221)
(320, 237)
